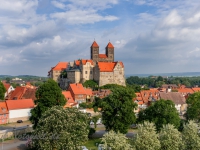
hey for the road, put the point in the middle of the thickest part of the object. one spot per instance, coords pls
(18, 144)
(15, 144)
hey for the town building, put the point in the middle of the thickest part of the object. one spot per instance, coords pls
(100, 67)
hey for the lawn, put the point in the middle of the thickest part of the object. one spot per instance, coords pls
(91, 144)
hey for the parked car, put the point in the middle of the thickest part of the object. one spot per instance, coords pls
(19, 121)
(99, 121)
(91, 122)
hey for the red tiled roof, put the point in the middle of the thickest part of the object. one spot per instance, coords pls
(77, 88)
(77, 62)
(110, 45)
(94, 44)
(3, 108)
(17, 93)
(87, 60)
(6, 85)
(60, 66)
(185, 90)
(20, 104)
(108, 66)
(197, 89)
(88, 92)
(68, 96)
(102, 56)
(29, 94)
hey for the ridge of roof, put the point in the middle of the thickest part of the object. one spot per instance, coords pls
(110, 45)
(94, 44)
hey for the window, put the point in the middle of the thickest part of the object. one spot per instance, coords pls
(2, 120)
(90, 72)
(85, 72)
(4, 115)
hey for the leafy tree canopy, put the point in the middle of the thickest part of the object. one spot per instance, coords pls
(90, 83)
(111, 86)
(170, 138)
(193, 109)
(61, 129)
(63, 74)
(117, 109)
(48, 95)
(115, 141)
(2, 91)
(146, 138)
(161, 112)
(190, 136)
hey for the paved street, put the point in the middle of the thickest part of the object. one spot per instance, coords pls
(15, 144)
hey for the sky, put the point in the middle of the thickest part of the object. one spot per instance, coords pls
(149, 36)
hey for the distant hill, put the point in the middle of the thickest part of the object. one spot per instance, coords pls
(23, 77)
(179, 74)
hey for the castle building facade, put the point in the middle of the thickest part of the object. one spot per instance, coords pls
(100, 67)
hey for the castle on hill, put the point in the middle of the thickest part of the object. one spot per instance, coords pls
(100, 67)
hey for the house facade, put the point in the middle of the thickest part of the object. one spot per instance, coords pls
(4, 113)
(19, 109)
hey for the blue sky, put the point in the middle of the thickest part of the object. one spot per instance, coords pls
(149, 36)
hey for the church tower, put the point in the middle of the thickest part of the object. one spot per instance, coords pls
(110, 52)
(94, 51)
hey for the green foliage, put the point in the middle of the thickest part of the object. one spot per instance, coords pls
(111, 86)
(135, 87)
(61, 129)
(48, 95)
(115, 141)
(15, 84)
(146, 138)
(170, 138)
(91, 84)
(191, 138)
(63, 74)
(117, 109)
(161, 112)
(193, 109)
(157, 82)
(8, 80)
(86, 105)
(2, 91)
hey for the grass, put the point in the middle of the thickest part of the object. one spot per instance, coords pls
(91, 143)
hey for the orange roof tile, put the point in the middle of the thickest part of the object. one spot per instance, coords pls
(102, 56)
(197, 89)
(88, 92)
(87, 60)
(185, 90)
(3, 108)
(68, 96)
(20, 104)
(17, 93)
(108, 66)
(110, 45)
(94, 44)
(6, 85)
(77, 62)
(60, 66)
(77, 88)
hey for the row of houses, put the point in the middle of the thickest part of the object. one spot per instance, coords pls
(177, 94)
(13, 110)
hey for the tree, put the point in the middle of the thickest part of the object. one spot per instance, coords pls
(146, 138)
(117, 110)
(61, 129)
(48, 95)
(63, 74)
(2, 91)
(8, 80)
(191, 138)
(115, 141)
(170, 138)
(90, 83)
(193, 109)
(161, 112)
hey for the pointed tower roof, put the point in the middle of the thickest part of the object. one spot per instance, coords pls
(110, 45)
(94, 44)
